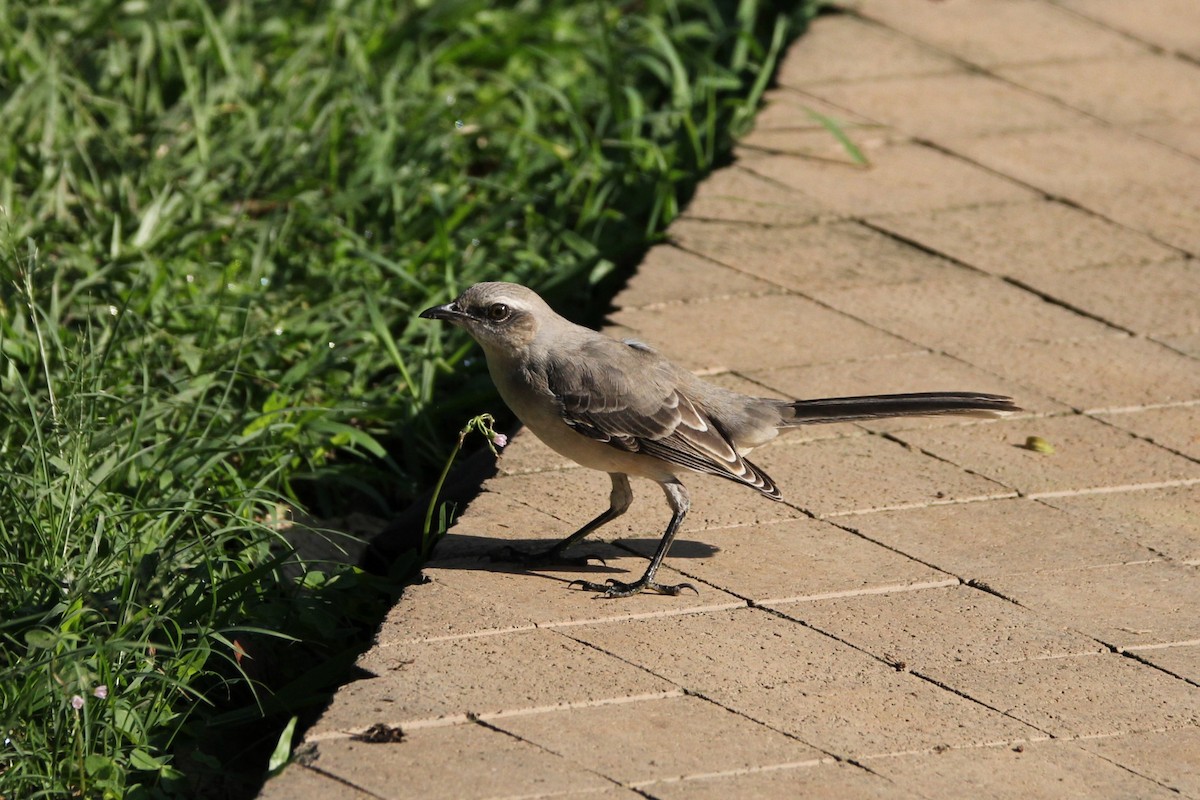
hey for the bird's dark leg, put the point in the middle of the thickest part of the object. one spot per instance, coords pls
(618, 503)
(677, 496)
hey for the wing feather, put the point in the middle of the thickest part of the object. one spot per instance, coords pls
(657, 419)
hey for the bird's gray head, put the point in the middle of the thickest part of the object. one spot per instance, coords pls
(500, 316)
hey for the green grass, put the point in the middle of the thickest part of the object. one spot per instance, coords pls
(218, 222)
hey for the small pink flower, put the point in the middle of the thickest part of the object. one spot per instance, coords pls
(500, 440)
(100, 691)
(76, 702)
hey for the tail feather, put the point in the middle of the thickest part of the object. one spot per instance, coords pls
(849, 409)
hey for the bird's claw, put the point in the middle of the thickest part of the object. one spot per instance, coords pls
(542, 558)
(615, 588)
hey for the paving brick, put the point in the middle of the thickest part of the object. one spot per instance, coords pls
(814, 259)
(1181, 136)
(1090, 695)
(749, 333)
(1083, 163)
(837, 781)
(800, 558)
(739, 383)
(798, 122)
(978, 541)
(900, 178)
(677, 276)
(496, 517)
(1188, 344)
(1176, 428)
(1017, 31)
(958, 104)
(490, 519)
(964, 313)
(1130, 605)
(1166, 521)
(609, 793)
(297, 781)
(1087, 454)
(1157, 299)
(1133, 89)
(447, 679)
(1169, 24)
(1096, 374)
(1168, 757)
(1171, 214)
(910, 372)
(845, 48)
(956, 624)
(808, 433)
(817, 144)
(481, 597)
(437, 609)
(800, 682)
(662, 739)
(1182, 661)
(454, 762)
(860, 473)
(1028, 771)
(1027, 241)
(738, 195)
(787, 109)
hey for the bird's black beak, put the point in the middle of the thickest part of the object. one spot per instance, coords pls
(448, 312)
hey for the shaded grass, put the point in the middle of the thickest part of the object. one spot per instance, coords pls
(218, 223)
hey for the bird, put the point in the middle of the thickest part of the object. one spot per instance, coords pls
(621, 407)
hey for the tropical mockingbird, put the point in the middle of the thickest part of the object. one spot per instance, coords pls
(620, 407)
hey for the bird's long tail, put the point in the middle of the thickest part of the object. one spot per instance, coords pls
(848, 409)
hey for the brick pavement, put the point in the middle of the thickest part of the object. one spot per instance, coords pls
(934, 611)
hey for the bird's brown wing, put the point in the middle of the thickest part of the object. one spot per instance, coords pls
(630, 401)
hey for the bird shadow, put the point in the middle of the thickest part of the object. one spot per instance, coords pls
(470, 552)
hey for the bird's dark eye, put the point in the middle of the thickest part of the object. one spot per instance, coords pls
(497, 312)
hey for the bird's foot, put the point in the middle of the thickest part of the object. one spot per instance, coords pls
(551, 557)
(614, 588)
